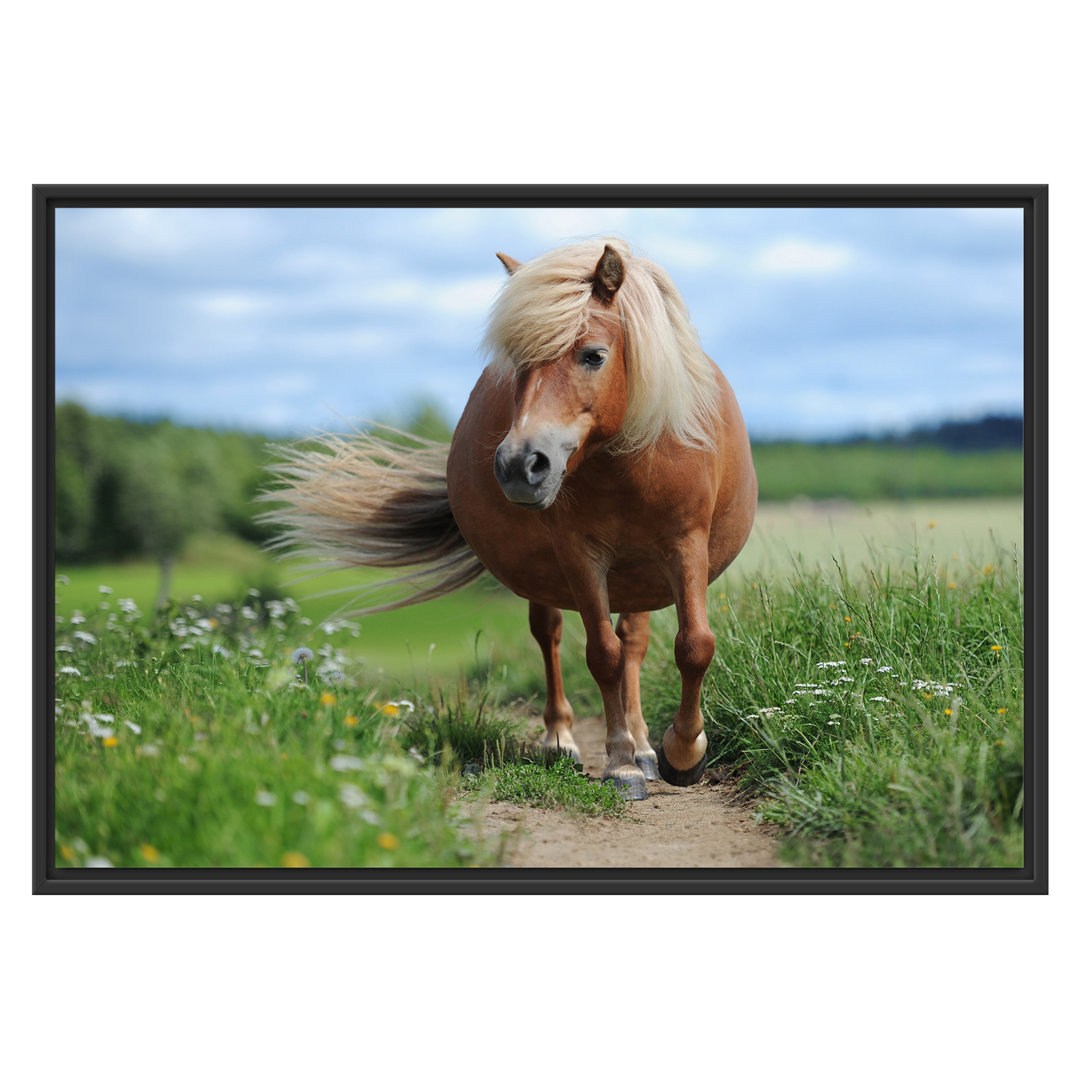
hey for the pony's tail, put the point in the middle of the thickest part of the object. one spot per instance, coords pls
(368, 500)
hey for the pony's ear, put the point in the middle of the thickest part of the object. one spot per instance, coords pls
(510, 263)
(608, 275)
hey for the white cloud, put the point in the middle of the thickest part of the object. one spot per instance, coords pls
(566, 223)
(802, 257)
(229, 303)
(471, 298)
(150, 233)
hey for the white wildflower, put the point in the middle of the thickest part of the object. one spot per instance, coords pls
(104, 589)
(97, 724)
(85, 635)
(265, 798)
(352, 796)
(831, 663)
(69, 671)
(345, 762)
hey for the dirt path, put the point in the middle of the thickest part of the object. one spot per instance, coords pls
(697, 826)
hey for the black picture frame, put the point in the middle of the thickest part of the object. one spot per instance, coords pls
(1031, 879)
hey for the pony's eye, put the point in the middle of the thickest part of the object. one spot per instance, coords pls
(592, 357)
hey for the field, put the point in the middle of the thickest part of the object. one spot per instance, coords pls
(867, 692)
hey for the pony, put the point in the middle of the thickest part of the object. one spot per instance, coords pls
(601, 465)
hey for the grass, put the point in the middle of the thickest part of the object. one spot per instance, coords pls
(187, 739)
(560, 784)
(872, 472)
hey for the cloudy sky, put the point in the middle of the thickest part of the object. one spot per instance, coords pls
(826, 321)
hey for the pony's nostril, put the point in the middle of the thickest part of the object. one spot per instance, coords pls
(537, 466)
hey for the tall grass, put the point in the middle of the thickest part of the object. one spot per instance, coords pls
(876, 717)
(191, 738)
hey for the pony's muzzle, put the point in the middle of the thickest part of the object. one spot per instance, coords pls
(527, 475)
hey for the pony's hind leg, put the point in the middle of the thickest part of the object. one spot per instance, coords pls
(633, 631)
(546, 626)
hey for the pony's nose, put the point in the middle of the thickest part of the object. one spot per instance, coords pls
(521, 471)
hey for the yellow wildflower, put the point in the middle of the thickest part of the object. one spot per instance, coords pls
(388, 841)
(995, 648)
(351, 721)
(326, 698)
(111, 740)
(295, 860)
(149, 852)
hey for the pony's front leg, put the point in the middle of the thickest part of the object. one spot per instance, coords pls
(633, 632)
(683, 749)
(605, 658)
(546, 626)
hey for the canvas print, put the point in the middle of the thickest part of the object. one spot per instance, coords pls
(564, 537)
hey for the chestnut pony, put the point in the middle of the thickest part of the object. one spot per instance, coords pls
(601, 465)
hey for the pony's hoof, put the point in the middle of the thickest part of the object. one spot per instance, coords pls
(680, 777)
(630, 788)
(648, 766)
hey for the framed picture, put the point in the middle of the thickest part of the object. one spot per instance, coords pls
(536, 540)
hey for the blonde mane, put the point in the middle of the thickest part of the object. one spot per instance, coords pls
(543, 309)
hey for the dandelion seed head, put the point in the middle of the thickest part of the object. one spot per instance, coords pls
(303, 653)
